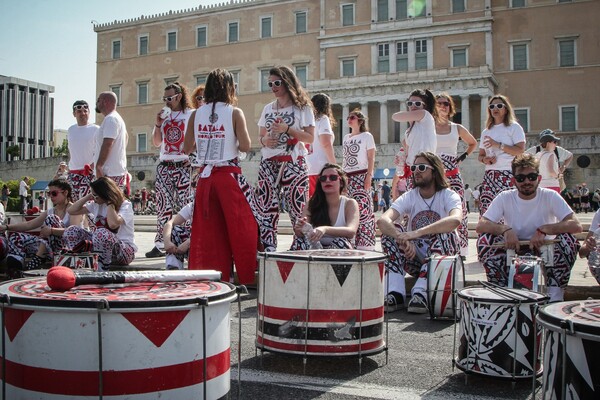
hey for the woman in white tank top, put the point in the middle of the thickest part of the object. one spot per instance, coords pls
(334, 217)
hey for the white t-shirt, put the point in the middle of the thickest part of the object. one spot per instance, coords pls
(421, 137)
(82, 144)
(126, 230)
(525, 216)
(422, 212)
(23, 188)
(113, 127)
(548, 178)
(187, 212)
(595, 222)
(296, 118)
(2, 214)
(173, 132)
(563, 154)
(316, 155)
(509, 135)
(214, 134)
(355, 151)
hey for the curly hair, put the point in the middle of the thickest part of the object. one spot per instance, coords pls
(317, 205)
(297, 93)
(197, 91)
(525, 160)
(439, 174)
(179, 88)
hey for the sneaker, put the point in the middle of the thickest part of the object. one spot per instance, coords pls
(36, 262)
(13, 262)
(155, 253)
(172, 267)
(393, 301)
(417, 304)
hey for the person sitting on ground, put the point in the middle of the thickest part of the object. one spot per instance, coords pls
(589, 245)
(434, 212)
(177, 232)
(533, 214)
(112, 215)
(52, 222)
(334, 217)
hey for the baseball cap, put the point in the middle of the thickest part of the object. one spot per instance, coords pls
(547, 135)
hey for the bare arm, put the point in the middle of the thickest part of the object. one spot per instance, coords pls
(466, 136)
(352, 218)
(327, 145)
(113, 219)
(569, 224)
(370, 168)
(241, 130)
(26, 226)
(78, 208)
(107, 145)
(409, 116)
(189, 142)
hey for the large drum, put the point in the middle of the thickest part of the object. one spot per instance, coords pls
(571, 350)
(497, 335)
(136, 341)
(321, 302)
(445, 275)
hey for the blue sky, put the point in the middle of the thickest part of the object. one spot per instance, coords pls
(53, 42)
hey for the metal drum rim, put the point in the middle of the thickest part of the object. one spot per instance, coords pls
(297, 256)
(529, 300)
(555, 323)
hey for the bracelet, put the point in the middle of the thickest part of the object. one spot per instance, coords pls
(158, 126)
(508, 229)
(541, 231)
(288, 129)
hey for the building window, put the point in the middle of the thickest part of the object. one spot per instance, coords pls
(143, 93)
(519, 57)
(401, 9)
(402, 56)
(116, 49)
(172, 41)
(568, 118)
(301, 73)
(301, 22)
(143, 45)
(522, 115)
(236, 81)
(201, 79)
(171, 80)
(348, 67)
(347, 14)
(459, 57)
(382, 10)
(116, 90)
(201, 36)
(266, 25)
(566, 53)
(517, 3)
(232, 32)
(421, 54)
(142, 143)
(417, 8)
(383, 58)
(264, 79)
(458, 6)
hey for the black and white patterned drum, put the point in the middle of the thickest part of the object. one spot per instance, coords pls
(445, 276)
(497, 336)
(321, 302)
(77, 260)
(571, 350)
(130, 341)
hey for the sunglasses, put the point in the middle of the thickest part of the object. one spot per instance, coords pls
(199, 98)
(95, 196)
(443, 103)
(499, 106)
(352, 117)
(531, 177)
(170, 98)
(420, 167)
(277, 83)
(415, 103)
(81, 107)
(55, 193)
(332, 178)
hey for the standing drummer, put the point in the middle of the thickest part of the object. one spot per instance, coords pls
(434, 212)
(530, 213)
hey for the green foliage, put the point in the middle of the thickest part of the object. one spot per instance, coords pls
(14, 204)
(13, 151)
(62, 150)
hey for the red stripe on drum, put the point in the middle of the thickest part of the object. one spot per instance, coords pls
(14, 319)
(317, 348)
(343, 316)
(447, 289)
(115, 383)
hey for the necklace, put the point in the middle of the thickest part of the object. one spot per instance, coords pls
(277, 106)
(429, 205)
(173, 118)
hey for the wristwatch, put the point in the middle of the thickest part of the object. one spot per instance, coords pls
(502, 146)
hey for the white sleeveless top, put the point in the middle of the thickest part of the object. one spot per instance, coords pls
(548, 179)
(214, 134)
(326, 240)
(448, 143)
(66, 219)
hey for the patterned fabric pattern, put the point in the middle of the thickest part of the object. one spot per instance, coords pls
(494, 182)
(111, 250)
(24, 245)
(80, 185)
(457, 185)
(173, 191)
(365, 236)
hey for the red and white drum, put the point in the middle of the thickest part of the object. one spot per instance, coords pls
(77, 260)
(135, 341)
(321, 302)
(571, 350)
(497, 336)
(445, 275)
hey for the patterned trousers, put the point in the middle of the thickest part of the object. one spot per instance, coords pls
(365, 236)
(111, 249)
(397, 265)
(277, 180)
(494, 182)
(496, 266)
(302, 243)
(457, 185)
(80, 185)
(179, 234)
(22, 245)
(173, 191)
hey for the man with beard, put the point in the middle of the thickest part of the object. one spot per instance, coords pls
(528, 213)
(433, 212)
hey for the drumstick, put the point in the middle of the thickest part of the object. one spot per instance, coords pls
(64, 278)
(521, 243)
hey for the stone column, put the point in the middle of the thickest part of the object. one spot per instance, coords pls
(484, 114)
(465, 111)
(345, 112)
(364, 108)
(383, 122)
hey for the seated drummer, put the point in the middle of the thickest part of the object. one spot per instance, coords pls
(334, 217)
(533, 214)
(176, 234)
(589, 244)
(434, 212)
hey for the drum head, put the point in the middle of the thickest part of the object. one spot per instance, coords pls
(501, 295)
(35, 292)
(584, 315)
(331, 256)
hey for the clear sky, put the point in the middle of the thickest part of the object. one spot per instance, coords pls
(53, 42)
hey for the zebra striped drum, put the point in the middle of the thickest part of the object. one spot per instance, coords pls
(445, 275)
(130, 341)
(571, 350)
(321, 302)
